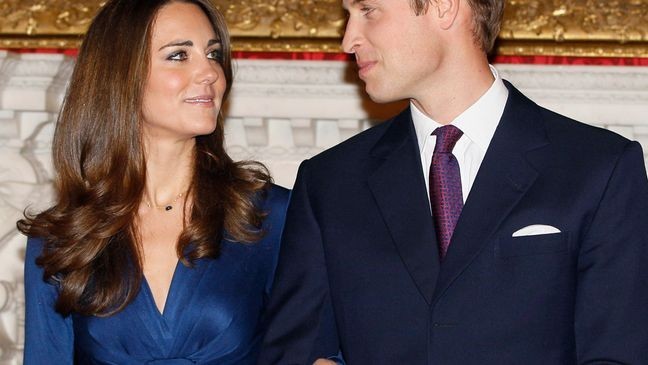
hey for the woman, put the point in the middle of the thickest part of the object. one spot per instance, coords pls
(159, 249)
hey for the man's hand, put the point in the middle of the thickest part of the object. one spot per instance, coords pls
(324, 362)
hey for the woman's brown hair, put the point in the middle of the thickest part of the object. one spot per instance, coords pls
(91, 251)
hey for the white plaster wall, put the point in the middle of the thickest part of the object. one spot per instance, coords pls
(284, 111)
(280, 112)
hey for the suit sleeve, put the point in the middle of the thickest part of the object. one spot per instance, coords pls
(612, 289)
(301, 325)
(48, 335)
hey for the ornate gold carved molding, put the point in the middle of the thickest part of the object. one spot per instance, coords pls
(531, 27)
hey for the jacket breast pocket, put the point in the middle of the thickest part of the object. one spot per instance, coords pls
(542, 244)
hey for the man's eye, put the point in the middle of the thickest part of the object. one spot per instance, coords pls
(177, 56)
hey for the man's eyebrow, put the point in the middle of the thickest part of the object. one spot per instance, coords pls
(352, 4)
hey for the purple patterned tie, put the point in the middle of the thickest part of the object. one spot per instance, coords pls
(445, 185)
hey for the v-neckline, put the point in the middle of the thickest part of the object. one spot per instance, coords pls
(182, 291)
(151, 297)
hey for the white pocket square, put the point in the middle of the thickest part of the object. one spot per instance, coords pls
(534, 230)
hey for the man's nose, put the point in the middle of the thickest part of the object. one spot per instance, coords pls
(351, 38)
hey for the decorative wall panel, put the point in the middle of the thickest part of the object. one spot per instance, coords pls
(536, 27)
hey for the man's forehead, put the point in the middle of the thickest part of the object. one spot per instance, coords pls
(353, 3)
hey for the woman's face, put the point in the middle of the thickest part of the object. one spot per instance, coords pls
(184, 90)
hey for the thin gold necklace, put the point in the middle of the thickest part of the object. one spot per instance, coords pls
(166, 207)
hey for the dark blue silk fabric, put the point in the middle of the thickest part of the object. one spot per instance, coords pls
(213, 312)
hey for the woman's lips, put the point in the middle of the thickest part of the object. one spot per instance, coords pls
(207, 101)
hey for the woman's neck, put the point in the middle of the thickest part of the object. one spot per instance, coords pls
(169, 169)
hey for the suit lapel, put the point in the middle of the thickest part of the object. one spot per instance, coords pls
(503, 178)
(398, 187)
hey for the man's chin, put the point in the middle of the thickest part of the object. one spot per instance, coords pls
(380, 98)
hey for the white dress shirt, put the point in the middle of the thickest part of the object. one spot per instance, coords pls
(478, 124)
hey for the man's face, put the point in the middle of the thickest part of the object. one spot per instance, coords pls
(397, 52)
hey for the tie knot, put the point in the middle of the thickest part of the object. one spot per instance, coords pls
(447, 136)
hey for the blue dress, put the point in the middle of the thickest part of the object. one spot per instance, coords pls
(212, 313)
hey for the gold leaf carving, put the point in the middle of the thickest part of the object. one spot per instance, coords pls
(576, 20)
(281, 18)
(46, 17)
(561, 27)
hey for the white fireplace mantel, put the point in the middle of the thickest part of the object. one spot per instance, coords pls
(280, 112)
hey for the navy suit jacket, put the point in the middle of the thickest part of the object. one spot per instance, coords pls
(359, 268)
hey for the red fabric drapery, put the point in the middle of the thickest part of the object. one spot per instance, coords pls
(562, 60)
(531, 60)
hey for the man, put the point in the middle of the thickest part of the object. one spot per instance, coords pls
(474, 228)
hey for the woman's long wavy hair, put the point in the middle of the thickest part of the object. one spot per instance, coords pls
(91, 248)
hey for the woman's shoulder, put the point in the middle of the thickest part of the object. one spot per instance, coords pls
(276, 198)
(278, 192)
(274, 206)
(33, 273)
(34, 248)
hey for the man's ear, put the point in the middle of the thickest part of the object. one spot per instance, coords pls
(446, 12)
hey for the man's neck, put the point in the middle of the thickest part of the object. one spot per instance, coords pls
(454, 90)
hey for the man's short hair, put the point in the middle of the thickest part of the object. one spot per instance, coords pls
(487, 18)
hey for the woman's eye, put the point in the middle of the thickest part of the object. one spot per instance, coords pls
(216, 54)
(177, 56)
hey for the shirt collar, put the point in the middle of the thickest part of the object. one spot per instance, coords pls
(478, 122)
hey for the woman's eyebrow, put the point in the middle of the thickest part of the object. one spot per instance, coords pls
(176, 44)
